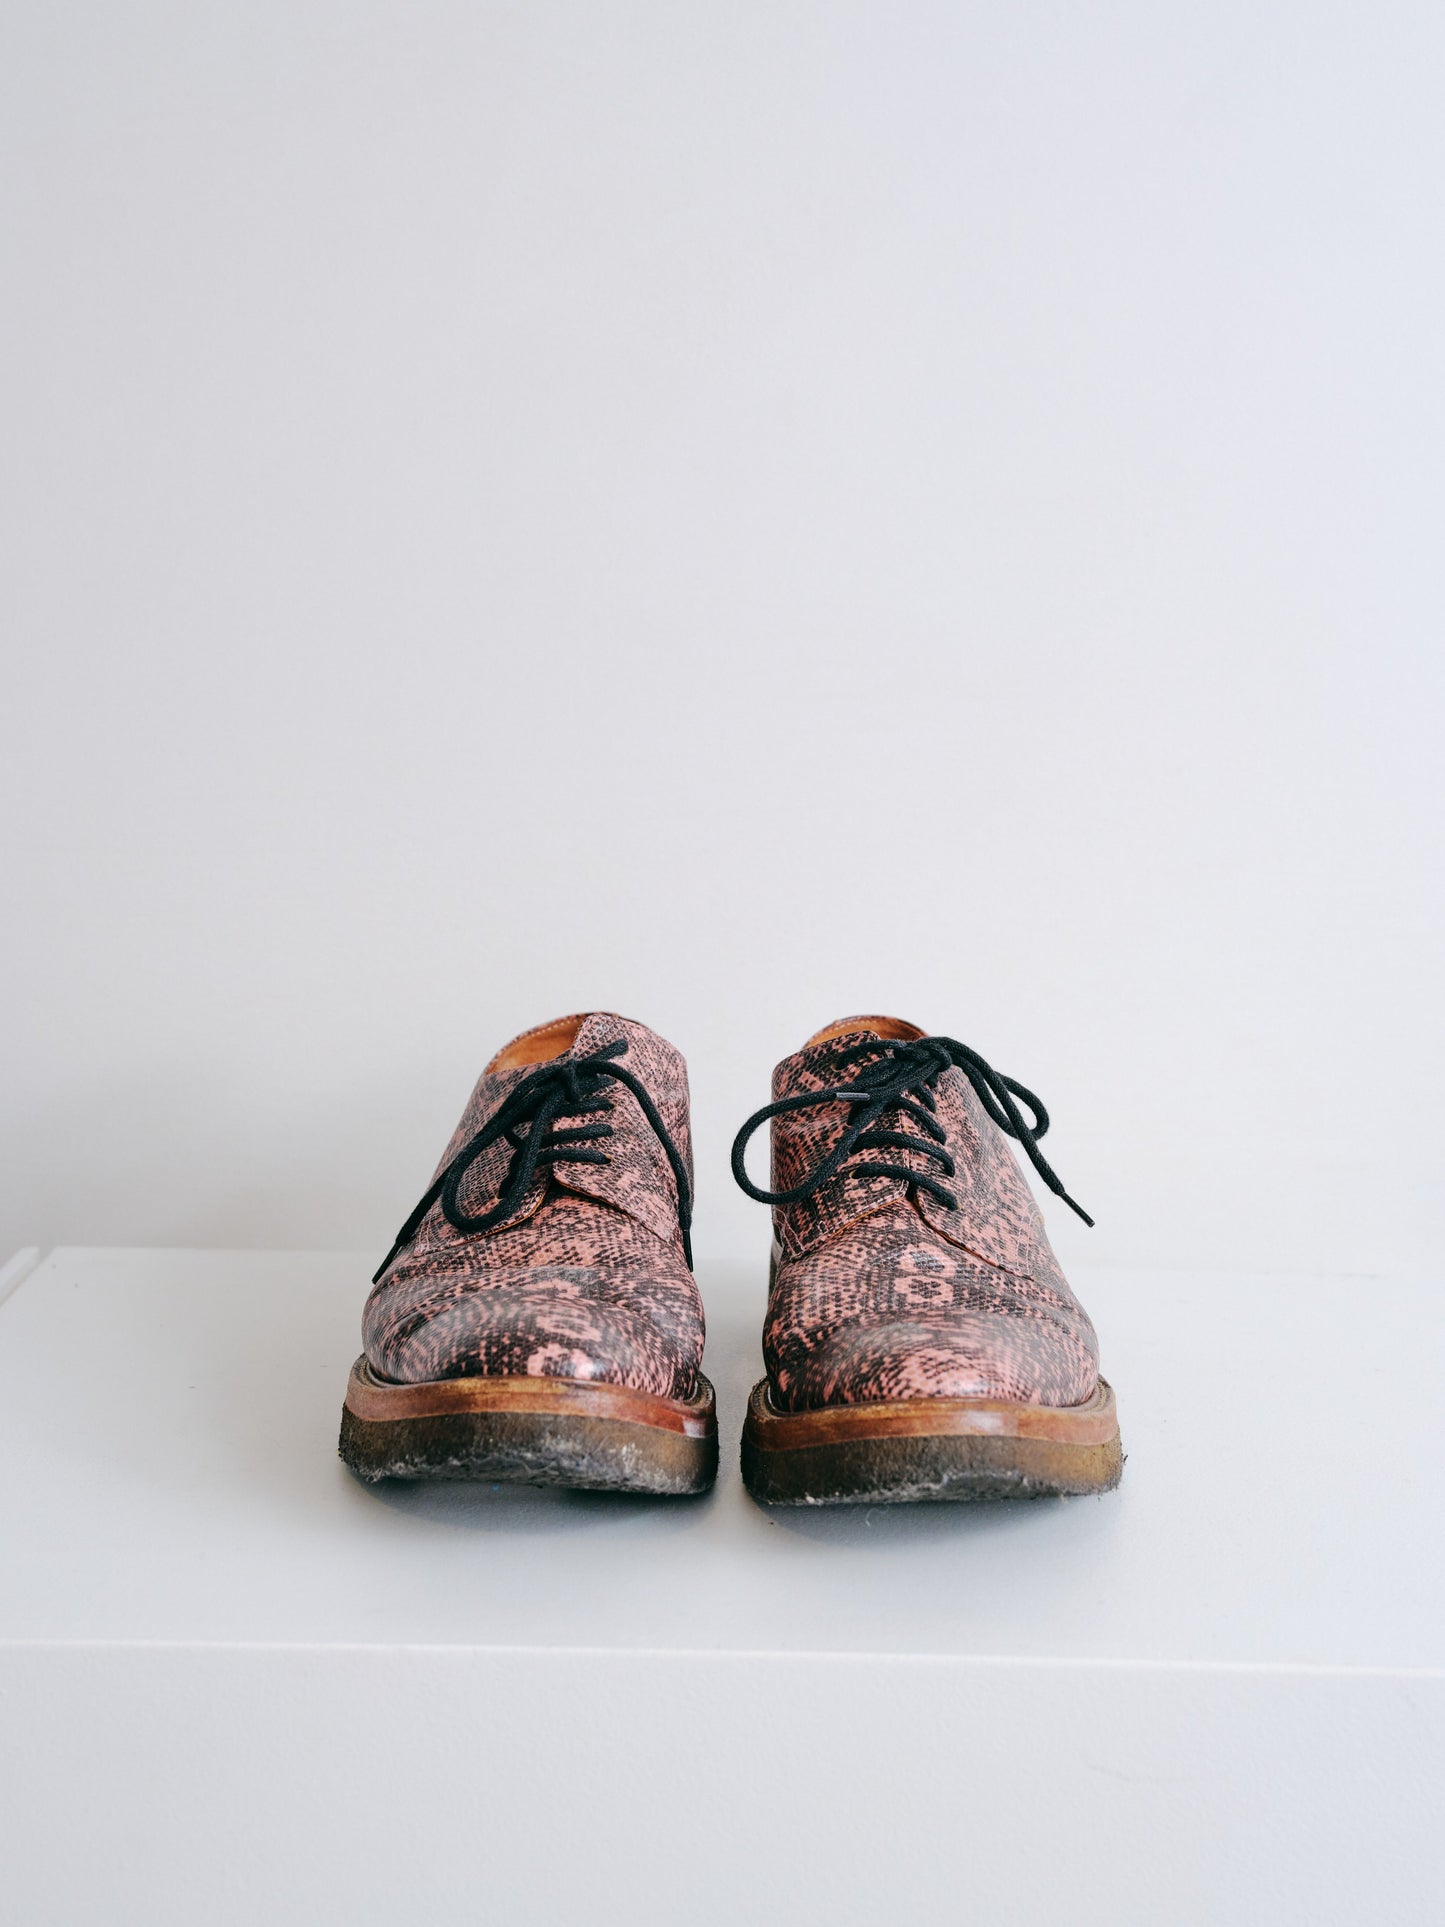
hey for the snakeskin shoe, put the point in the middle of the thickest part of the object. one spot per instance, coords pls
(921, 1342)
(536, 1319)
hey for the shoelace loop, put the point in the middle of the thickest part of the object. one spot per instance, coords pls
(566, 1087)
(901, 1077)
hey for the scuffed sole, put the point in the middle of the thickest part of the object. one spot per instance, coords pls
(530, 1431)
(909, 1450)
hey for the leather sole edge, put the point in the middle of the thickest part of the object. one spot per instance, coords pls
(530, 1431)
(914, 1450)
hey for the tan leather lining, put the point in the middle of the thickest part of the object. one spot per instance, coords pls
(893, 1028)
(540, 1046)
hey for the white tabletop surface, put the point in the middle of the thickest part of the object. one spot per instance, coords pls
(168, 1473)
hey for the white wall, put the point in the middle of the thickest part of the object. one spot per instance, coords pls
(737, 514)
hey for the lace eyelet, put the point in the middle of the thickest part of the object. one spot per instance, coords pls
(903, 1077)
(550, 1092)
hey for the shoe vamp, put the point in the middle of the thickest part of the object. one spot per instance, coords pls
(891, 1309)
(577, 1291)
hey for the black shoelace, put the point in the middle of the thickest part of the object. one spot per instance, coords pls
(901, 1077)
(567, 1087)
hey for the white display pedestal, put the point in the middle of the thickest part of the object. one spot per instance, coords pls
(236, 1686)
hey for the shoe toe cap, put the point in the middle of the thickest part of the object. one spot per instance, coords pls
(578, 1325)
(972, 1358)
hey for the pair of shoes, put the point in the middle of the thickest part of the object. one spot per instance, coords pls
(537, 1319)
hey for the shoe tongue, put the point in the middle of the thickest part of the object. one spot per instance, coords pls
(603, 1027)
(815, 1065)
(803, 1139)
(637, 1177)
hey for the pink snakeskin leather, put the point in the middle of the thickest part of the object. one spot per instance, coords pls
(586, 1279)
(880, 1292)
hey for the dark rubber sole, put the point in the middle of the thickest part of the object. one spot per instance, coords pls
(530, 1431)
(909, 1450)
